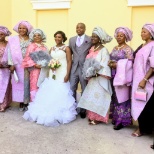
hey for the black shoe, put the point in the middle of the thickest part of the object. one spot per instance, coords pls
(113, 123)
(152, 146)
(21, 107)
(118, 127)
(82, 113)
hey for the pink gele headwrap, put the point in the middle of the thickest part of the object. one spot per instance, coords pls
(25, 23)
(5, 30)
(126, 31)
(150, 28)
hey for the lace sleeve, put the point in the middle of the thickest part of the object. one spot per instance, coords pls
(129, 53)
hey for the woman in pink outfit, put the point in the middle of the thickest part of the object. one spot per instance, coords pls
(14, 55)
(5, 84)
(121, 65)
(37, 38)
(143, 78)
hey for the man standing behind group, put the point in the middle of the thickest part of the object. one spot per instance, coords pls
(79, 46)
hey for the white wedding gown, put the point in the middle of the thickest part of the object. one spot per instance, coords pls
(54, 103)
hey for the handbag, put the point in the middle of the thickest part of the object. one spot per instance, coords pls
(141, 94)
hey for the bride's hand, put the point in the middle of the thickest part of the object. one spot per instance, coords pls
(53, 69)
(66, 78)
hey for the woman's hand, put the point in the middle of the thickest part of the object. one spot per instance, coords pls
(12, 68)
(66, 78)
(37, 66)
(142, 84)
(109, 63)
(112, 64)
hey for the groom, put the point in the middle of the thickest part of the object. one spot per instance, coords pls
(79, 46)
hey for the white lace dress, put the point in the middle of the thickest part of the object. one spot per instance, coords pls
(54, 103)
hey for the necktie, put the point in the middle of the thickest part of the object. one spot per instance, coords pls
(78, 43)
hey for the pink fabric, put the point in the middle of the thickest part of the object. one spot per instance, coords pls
(8, 97)
(94, 116)
(4, 77)
(5, 30)
(123, 79)
(151, 60)
(125, 30)
(124, 73)
(4, 59)
(140, 68)
(28, 62)
(150, 28)
(25, 23)
(92, 54)
(17, 88)
(14, 43)
(32, 94)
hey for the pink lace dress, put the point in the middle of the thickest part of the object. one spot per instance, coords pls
(5, 84)
(34, 72)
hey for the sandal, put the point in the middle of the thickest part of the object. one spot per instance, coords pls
(136, 134)
(2, 110)
(118, 127)
(21, 109)
(25, 107)
(89, 121)
(94, 122)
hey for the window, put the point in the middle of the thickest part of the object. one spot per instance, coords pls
(50, 4)
(140, 2)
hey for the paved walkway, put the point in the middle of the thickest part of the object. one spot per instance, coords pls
(18, 136)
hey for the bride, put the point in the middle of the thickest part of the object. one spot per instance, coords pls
(54, 103)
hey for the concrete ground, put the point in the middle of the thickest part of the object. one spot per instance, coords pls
(18, 136)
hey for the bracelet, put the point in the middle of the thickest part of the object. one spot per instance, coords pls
(145, 79)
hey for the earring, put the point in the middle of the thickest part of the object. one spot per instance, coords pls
(151, 37)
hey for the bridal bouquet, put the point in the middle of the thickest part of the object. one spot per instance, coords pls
(54, 64)
(90, 68)
(40, 57)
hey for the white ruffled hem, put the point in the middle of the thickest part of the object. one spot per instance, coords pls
(53, 104)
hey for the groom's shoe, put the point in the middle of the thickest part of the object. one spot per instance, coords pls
(83, 113)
